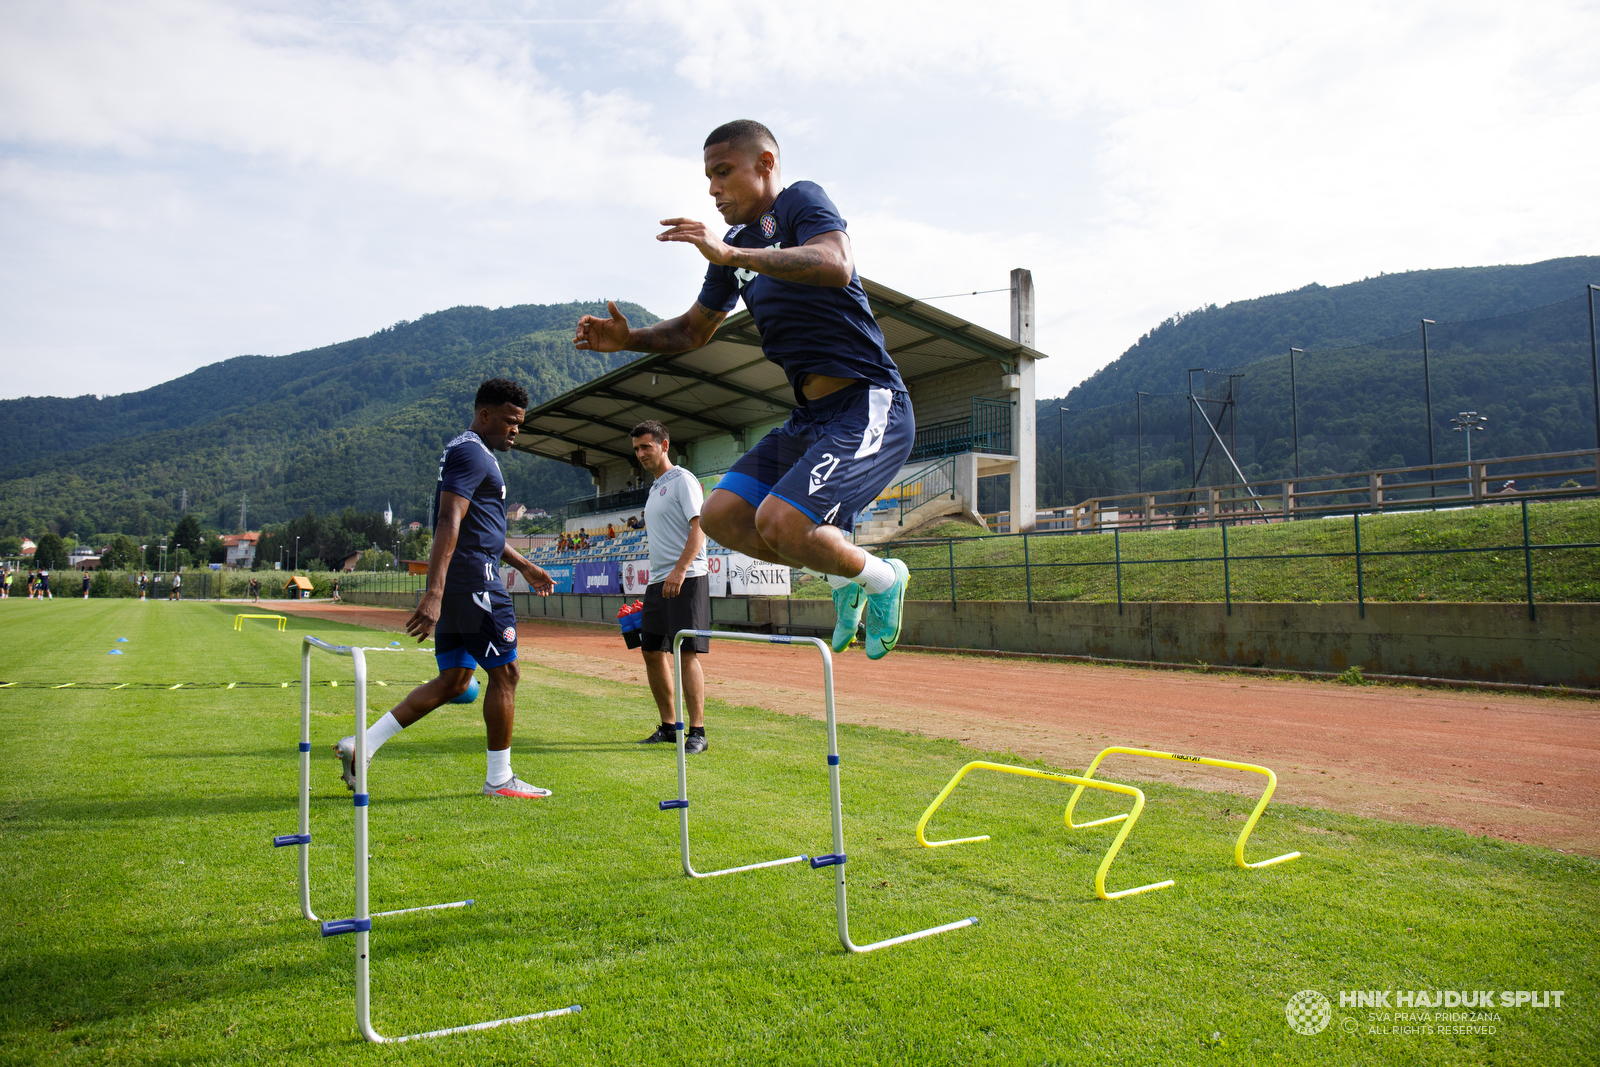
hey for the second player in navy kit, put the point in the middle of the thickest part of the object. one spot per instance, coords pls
(792, 497)
(465, 605)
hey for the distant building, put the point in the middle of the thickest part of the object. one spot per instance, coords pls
(538, 513)
(414, 527)
(28, 547)
(83, 558)
(388, 514)
(241, 549)
(516, 511)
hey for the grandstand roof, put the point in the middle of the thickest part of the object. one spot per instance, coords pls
(729, 385)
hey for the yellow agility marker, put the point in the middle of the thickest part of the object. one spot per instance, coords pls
(1249, 825)
(1070, 779)
(238, 620)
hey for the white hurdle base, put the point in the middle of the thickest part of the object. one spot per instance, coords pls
(837, 857)
(361, 923)
(303, 838)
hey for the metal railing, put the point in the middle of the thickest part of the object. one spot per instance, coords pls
(590, 505)
(1428, 485)
(987, 429)
(925, 485)
(1521, 552)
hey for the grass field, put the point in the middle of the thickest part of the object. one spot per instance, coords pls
(147, 919)
(990, 567)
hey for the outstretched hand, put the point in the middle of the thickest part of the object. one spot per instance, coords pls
(692, 232)
(603, 335)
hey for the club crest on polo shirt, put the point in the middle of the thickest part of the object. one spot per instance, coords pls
(509, 635)
(769, 224)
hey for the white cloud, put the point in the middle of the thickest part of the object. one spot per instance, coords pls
(193, 179)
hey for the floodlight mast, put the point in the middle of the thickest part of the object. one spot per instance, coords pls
(1594, 364)
(1467, 422)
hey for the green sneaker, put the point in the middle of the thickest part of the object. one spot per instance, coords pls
(848, 603)
(884, 611)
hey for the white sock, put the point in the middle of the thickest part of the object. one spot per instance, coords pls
(499, 766)
(381, 731)
(877, 576)
(838, 581)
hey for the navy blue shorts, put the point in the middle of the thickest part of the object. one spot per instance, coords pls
(833, 457)
(475, 629)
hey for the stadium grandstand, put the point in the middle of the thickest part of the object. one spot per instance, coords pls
(972, 392)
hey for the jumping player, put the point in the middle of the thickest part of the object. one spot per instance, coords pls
(465, 601)
(792, 498)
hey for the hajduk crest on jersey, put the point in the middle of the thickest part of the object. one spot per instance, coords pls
(769, 224)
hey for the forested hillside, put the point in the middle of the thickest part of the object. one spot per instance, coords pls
(358, 424)
(1511, 342)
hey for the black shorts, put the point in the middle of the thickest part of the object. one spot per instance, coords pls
(475, 630)
(664, 616)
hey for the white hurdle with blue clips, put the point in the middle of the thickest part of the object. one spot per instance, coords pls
(361, 923)
(834, 859)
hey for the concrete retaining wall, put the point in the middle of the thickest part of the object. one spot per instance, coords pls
(1476, 642)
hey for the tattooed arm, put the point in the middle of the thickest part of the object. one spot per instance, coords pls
(823, 260)
(687, 332)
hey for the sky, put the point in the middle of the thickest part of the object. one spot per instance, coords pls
(182, 181)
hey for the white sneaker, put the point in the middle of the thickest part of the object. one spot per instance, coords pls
(345, 749)
(515, 788)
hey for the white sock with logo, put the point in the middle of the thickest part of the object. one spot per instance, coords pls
(381, 731)
(499, 766)
(877, 576)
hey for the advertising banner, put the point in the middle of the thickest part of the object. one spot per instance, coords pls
(748, 576)
(717, 571)
(635, 576)
(596, 578)
(560, 573)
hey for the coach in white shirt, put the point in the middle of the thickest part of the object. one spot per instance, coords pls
(678, 596)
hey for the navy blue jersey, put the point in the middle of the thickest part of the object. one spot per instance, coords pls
(469, 469)
(805, 329)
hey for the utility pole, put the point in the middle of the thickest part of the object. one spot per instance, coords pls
(243, 500)
(1138, 415)
(1427, 398)
(1233, 416)
(1594, 364)
(1061, 431)
(183, 508)
(1294, 411)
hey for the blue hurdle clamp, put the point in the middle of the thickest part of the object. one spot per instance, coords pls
(291, 839)
(665, 804)
(829, 860)
(335, 927)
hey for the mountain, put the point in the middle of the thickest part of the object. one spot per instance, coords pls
(358, 424)
(1508, 341)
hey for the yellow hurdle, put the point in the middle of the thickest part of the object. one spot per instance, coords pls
(238, 620)
(1249, 825)
(1131, 817)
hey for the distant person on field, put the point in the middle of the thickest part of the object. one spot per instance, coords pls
(679, 594)
(177, 585)
(465, 601)
(143, 581)
(86, 585)
(336, 590)
(44, 586)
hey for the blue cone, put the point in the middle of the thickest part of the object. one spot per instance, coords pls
(122, 640)
(115, 652)
(471, 695)
(394, 644)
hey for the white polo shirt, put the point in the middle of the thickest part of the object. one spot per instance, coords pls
(675, 498)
